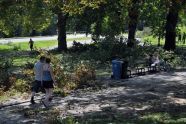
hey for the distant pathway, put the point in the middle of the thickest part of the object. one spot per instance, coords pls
(38, 38)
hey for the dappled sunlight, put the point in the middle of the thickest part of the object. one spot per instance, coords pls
(179, 101)
(129, 98)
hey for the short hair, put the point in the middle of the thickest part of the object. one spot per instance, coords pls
(42, 58)
(48, 60)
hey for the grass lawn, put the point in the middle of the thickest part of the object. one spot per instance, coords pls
(37, 44)
(21, 61)
(154, 41)
(150, 118)
(182, 29)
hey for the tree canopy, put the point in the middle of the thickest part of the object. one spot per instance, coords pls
(99, 17)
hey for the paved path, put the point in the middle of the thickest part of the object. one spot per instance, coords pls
(39, 38)
(156, 92)
(70, 44)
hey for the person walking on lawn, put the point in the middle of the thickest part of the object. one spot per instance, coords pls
(48, 80)
(31, 42)
(37, 83)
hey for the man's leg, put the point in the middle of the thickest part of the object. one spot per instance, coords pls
(50, 94)
(35, 89)
(45, 102)
(32, 97)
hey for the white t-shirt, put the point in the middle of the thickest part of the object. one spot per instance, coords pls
(37, 70)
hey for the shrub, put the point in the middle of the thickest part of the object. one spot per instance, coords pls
(60, 120)
(1, 91)
(170, 56)
(78, 47)
(29, 65)
(5, 65)
(17, 47)
(84, 72)
(60, 92)
(21, 85)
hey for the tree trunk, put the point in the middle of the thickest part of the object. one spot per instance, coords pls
(159, 38)
(98, 26)
(133, 20)
(61, 25)
(170, 36)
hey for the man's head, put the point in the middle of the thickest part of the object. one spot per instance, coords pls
(48, 60)
(42, 59)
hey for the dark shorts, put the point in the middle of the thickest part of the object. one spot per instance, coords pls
(37, 87)
(31, 46)
(48, 84)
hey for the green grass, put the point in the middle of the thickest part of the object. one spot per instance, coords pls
(153, 118)
(153, 40)
(37, 44)
(21, 61)
(182, 29)
(163, 118)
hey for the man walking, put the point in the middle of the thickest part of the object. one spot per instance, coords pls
(31, 42)
(37, 83)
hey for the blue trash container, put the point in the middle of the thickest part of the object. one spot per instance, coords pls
(117, 69)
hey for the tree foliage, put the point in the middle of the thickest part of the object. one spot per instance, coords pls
(20, 17)
(99, 17)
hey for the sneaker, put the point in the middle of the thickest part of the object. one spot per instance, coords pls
(50, 99)
(46, 106)
(32, 101)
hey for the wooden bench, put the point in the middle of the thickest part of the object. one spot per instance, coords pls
(140, 71)
(152, 69)
(141, 68)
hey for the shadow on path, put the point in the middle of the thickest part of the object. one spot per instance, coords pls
(116, 100)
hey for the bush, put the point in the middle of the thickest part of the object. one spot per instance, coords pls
(29, 65)
(5, 65)
(21, 85)
(171, 57)
(1, 91)
(22, 82)
(84, 72)
(78, 47)
(17, 47)
(59, 92)
(60, 120)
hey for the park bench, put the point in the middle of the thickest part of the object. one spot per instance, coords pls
(141, 68)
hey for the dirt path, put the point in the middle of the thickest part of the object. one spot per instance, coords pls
(157, 92)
